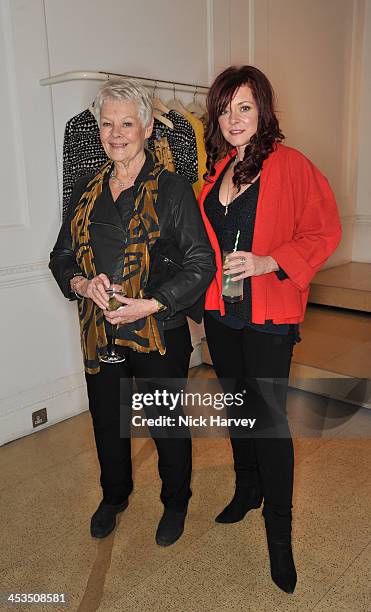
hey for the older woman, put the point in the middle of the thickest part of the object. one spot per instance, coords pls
(121, 222)
(275, 213)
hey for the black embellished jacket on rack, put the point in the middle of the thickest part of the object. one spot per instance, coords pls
(83, 153)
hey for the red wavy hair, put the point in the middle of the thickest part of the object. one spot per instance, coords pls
(268, 132)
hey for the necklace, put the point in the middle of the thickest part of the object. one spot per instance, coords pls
(130, 178)
(121, 183)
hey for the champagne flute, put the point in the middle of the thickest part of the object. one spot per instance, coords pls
(114, 289)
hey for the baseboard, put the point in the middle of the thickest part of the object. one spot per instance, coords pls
(63, 398)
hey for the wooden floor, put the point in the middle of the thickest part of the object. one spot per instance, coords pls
(336, 343)
(50, 488)
(346, 286)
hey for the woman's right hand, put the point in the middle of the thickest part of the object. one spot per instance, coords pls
(94, 289)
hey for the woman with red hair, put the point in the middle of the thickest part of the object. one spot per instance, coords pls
(275, 213)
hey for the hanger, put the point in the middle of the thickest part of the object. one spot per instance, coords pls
(157, 103)
(176, 105)
(159, 108)
(163, 119)
(195, 107)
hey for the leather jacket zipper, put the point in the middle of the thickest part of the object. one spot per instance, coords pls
(108, 225)
(173, 263)
(112, 227)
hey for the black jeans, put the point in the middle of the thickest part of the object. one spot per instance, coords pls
(114, 452)
(240, 357)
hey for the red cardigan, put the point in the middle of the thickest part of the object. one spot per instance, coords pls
(297, 223)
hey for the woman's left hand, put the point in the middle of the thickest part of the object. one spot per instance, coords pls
(245, 264)
(133, 309)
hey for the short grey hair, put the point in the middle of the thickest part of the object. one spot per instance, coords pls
(128, 90)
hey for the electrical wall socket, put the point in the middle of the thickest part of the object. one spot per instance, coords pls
(39, 417)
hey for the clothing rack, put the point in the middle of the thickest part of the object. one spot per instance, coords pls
(89, 75)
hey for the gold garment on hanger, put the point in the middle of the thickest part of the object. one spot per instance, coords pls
(198, 129)
(163, 153)
(204, 119)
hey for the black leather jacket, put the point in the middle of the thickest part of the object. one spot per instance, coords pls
(181, 227)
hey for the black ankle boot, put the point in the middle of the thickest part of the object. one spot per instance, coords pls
(283, 570)
(170, 527)
(103, 520)
(244, 499)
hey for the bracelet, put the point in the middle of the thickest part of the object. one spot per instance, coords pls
(160, 307)
(76, 275)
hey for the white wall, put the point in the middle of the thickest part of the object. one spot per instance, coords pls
(42, 365)
(149, 39)
(307, 47)
(362, 230)
(40, 361)
(311, 50)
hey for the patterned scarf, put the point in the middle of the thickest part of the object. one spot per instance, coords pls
(143, 335)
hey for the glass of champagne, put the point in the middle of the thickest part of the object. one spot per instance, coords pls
(114, 289)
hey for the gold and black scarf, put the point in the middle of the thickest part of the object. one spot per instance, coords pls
(144, 335)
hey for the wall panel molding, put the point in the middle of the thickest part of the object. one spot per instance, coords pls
(24, 274)
(19, 203)
(219, 31)
(363, 219)
(351, 118)
(210, 39)
(63, 398)
(251, 34)
(348, 218)
(260, 27)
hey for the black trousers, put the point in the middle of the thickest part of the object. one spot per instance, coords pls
(241, 357)
(114, 452)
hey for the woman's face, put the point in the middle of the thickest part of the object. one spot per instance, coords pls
(239, 120)
(121, 130)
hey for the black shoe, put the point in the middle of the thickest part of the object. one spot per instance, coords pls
(170, 527)
(283, 570)
(103, 520)
(244, 499)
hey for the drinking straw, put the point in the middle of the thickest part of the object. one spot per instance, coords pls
(236, 242)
